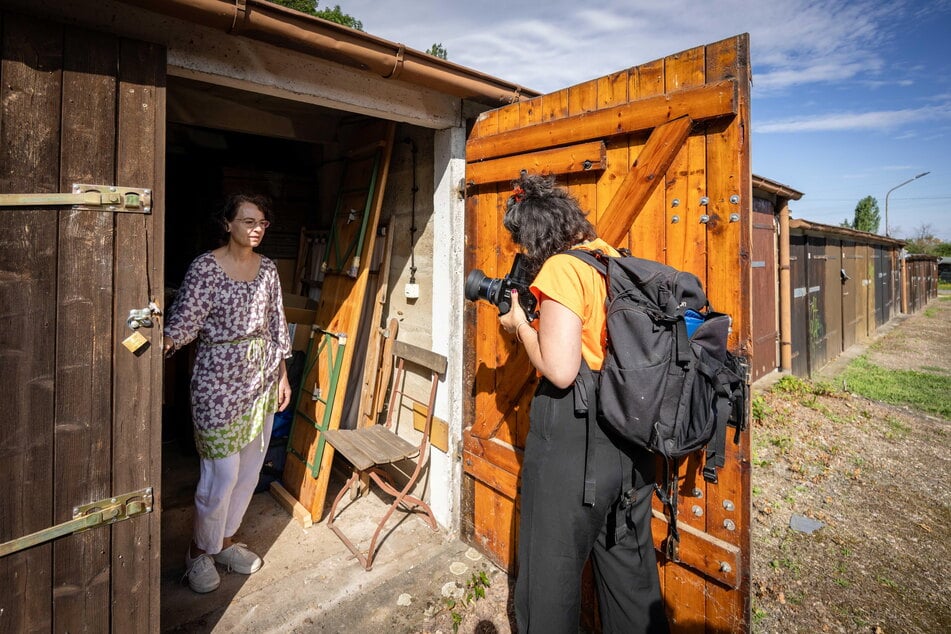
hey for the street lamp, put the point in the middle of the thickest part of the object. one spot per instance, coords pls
(893, 189)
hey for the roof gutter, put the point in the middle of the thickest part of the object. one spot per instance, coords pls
(274, 24)
(776, 188)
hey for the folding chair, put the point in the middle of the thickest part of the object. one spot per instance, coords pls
(372, 448)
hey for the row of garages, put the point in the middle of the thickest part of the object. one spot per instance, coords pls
(833, 286)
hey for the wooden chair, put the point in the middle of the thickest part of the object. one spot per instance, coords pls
(370, 449)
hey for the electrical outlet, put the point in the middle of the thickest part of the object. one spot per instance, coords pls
(411, 291)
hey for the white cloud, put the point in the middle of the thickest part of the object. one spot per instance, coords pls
(882, 119)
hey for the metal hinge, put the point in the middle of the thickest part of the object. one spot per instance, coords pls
(89, 198)
(107, 511)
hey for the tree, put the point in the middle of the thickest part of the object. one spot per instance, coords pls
(867, 216)
(924, 241)
(438, 50)
(334, 15)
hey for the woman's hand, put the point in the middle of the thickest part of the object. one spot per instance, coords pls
(511, 320)
(283, 394)
(168, 346)
(283, 389)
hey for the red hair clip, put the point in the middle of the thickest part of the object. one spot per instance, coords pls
(518, 194)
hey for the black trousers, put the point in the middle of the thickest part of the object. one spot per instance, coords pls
(557, 532)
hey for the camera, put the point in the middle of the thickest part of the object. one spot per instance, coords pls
(498, 291)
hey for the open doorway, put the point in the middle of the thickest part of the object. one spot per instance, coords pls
(221, 141)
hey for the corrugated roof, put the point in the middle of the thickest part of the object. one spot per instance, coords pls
(845, 232)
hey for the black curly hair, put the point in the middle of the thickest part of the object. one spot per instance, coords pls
(544, 219)
(229, 210)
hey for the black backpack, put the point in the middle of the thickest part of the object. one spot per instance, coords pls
(668, 384)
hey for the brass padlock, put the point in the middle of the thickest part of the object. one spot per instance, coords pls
(135, 342)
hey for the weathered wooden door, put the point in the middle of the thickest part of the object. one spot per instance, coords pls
(799, 326)
(659, 156)
(850, 288)
(815, 302)
(81, 413)
(765, 327)
(832, 298)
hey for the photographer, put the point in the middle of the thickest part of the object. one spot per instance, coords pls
(558, 531)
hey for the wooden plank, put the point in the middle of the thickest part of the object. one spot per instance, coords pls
(506, 354)
(729, 283)
(708, 102)
(291, 505)
(420, 356)
(645, 175)
(612, 91)
(499, 480)
(386, 371)
(339, 308)
(500, 454)
(647, 237)
(371, 369)
(498, 531)
(701, 551)
(369, 446)
(31, 74)
(572, 159)
(582, 101)
(439, 429)
(137, 450)
(83, 442)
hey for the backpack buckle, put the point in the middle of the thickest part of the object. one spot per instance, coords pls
(628, 498)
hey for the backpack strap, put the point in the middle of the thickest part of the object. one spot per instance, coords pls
(628, 491)
(586, 381)
(730, 388)
(586, 378)
(667, 494)
(590, 258)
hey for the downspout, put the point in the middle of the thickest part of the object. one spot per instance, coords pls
(905, 284)
(785, 290)
(268, 22)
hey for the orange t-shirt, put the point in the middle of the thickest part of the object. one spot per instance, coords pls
(580, 288)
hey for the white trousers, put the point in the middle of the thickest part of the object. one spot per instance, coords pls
(224, 491)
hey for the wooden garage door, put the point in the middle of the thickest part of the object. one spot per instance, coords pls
(764, 326)
(659, 156)
(81, 412)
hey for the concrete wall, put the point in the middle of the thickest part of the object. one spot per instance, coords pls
(434, 319)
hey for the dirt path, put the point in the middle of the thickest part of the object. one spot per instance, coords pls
(876, 477)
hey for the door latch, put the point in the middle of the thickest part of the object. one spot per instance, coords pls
(140, 318)
(107, 511)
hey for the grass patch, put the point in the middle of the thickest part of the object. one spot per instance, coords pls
(896, 428)
(760, 409)
(790, 384)
(924, 391)
(931, 312)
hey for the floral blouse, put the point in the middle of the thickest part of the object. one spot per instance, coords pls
(242, 338)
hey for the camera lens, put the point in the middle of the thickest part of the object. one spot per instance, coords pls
(473, 285)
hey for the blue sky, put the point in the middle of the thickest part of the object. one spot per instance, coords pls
(850, 98)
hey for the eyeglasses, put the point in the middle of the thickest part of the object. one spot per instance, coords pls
(251, 223)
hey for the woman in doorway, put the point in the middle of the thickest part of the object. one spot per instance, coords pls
(558, 530)
(231, 301)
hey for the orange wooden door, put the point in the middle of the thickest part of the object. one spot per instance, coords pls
(659, 156)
